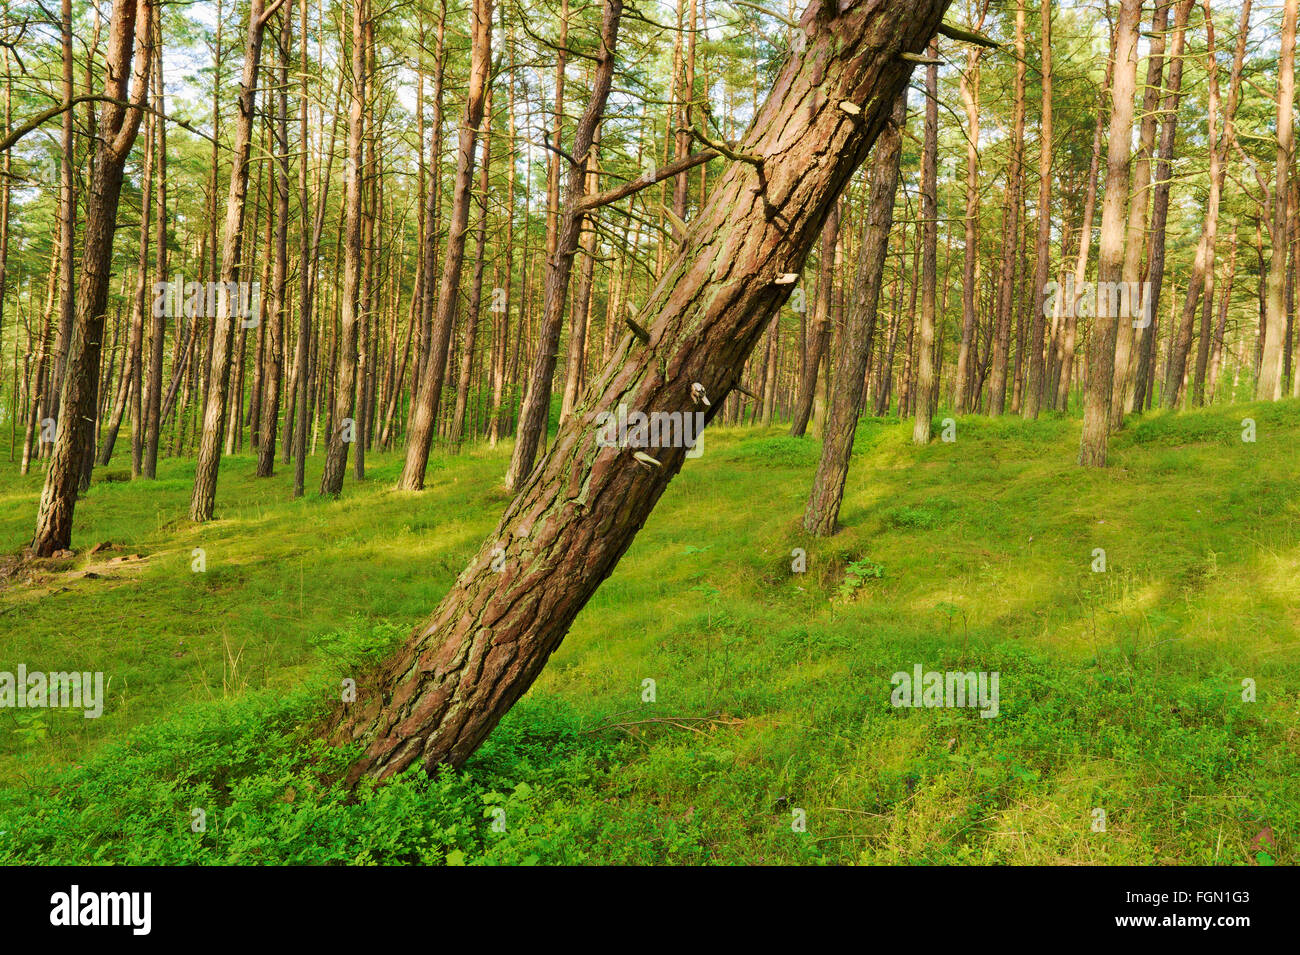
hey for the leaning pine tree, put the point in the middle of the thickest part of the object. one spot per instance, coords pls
(574, 516)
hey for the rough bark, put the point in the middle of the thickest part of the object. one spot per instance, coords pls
(424, 416)
(203, 499)
(1268, 385)
(925, 375)
(1100, 374)
(848, 384)
(535, 415)
(576, 514)
(128, 76)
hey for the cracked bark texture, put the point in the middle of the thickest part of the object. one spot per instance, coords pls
(436, 699)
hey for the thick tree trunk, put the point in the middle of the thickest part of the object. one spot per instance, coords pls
(576, 514)
(128, 44)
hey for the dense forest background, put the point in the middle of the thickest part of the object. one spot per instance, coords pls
(949, 301)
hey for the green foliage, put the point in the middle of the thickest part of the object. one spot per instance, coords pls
(1120, 690)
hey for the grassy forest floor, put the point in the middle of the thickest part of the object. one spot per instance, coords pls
(1120, 690)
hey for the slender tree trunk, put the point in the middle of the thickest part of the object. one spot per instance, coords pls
(1138, 313)
(969, 85)
(537, 403)
(273, 360)
(342, 428)
(424, 418)
(924, 393)
(1216, 356)
(1071, 301)
(849, 377)
(1145, 375)
(1010, 229)
(158, 318)
(1099, 376)
(476, 287)
(1034, 385)
(233, 268)
(580, 314)
(821, 326)
(1269, 384)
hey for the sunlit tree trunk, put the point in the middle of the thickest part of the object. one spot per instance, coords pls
(129, 62)
(1099, 376)
(437, 698)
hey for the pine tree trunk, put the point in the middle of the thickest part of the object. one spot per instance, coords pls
(158, 320)
(821, 326)
(575, 515)
(424, 416)
(1033, 397)
(129, 62)
(1010, 230)
(1144, 387)
(965, 374)
(1268, 386)
(1099, 376)
(846, 401)
(925, 374)
(233, 268)
(536, 411)
(273, 360)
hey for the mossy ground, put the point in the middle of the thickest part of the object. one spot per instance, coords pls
(1120, 691)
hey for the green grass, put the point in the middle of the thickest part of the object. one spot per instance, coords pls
(1119, 690)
